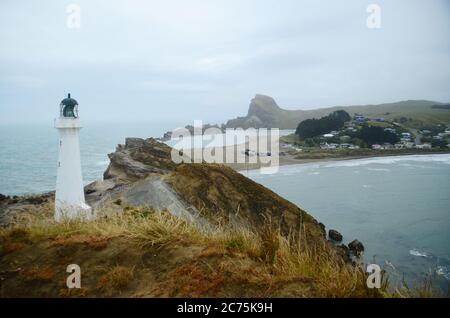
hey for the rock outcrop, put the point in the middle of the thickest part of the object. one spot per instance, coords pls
(139, 158)
(356, 247)
(262, 113)
(335, 235)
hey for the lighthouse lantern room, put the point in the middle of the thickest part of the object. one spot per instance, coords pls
(69, 197)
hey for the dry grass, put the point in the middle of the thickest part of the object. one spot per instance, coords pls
(193, 281)
(147, 226)
(10, 248)
(38, 274)
(118, 278)
(266, 258)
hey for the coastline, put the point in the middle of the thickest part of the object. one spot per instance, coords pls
(291, 160)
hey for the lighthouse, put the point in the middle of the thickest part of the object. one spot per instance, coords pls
(69, 197)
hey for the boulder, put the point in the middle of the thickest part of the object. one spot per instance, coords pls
(335, 235)
(356, 247)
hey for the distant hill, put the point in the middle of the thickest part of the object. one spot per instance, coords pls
(442, 106)
(264, 112)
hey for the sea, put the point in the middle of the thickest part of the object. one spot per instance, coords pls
(398, 207)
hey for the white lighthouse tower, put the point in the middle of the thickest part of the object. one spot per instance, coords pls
(69, 198)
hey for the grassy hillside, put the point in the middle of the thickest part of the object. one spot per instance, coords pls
(264, 112)
(225, 196)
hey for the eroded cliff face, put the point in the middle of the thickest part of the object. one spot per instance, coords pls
(138, 158)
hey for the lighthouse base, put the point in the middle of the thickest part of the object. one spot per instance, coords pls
(65, 212)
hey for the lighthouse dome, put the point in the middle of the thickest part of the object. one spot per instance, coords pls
(69, 107)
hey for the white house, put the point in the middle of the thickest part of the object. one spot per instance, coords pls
(406, 135)
(376, 146)
(424, 146)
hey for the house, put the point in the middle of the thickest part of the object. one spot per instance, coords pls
(376, 147)
(406, 135)
(424, 146)
(359, 119)
(328, 135)
(399, 146)
(409, 145)
(391, 130)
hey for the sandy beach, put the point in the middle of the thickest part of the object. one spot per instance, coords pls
(288, 156)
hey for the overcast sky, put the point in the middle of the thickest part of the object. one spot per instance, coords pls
(205, 59)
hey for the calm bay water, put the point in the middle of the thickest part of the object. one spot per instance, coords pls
(399, 207)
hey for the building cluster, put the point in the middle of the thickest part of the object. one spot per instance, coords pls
(407, 140)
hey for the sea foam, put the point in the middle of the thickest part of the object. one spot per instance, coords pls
(442, 158)
(418, 253)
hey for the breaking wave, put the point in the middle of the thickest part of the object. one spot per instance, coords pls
(415, 252)
(443, 271)
(442, 158)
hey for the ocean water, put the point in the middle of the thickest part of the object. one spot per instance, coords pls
(398, 207)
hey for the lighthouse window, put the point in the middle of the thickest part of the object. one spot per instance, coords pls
(68, 111)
